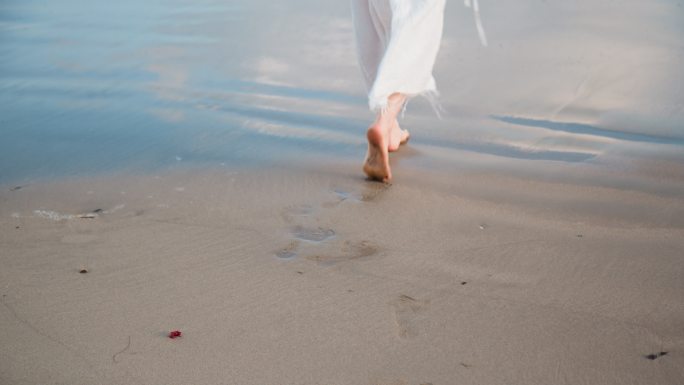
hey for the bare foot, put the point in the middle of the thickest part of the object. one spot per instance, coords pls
(398, 136)
(381, 140)
(405, 136)
(376, 165)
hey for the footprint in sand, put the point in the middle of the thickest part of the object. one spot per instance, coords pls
(408, 314)
(343, 196)
(292, 212)
(350, 251)
(301, 233)
(373, 191)
(316, 235)
(289, 251)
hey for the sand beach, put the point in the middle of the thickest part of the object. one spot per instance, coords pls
(180, 168)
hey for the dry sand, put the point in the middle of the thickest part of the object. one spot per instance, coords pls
(320, 277)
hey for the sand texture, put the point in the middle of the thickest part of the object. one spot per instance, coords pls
(195, 166)
(284, 277)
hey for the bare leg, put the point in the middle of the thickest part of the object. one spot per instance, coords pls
(383, 135)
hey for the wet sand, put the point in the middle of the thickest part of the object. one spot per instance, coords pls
(185, 168)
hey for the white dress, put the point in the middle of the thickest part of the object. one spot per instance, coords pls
(397, 43)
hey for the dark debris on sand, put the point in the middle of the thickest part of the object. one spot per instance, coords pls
(655, 356)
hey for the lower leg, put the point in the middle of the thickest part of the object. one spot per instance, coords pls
(384, 136)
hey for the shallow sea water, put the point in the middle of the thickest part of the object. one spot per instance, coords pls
(574, 91)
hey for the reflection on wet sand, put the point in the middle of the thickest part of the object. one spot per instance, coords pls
(135, 87)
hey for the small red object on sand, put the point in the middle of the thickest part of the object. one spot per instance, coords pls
(175, 334)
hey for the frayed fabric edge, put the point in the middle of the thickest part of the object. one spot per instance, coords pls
(478, 20)
(381, 105)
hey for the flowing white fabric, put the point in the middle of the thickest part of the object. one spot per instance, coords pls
(478, 21)
(397, 43)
